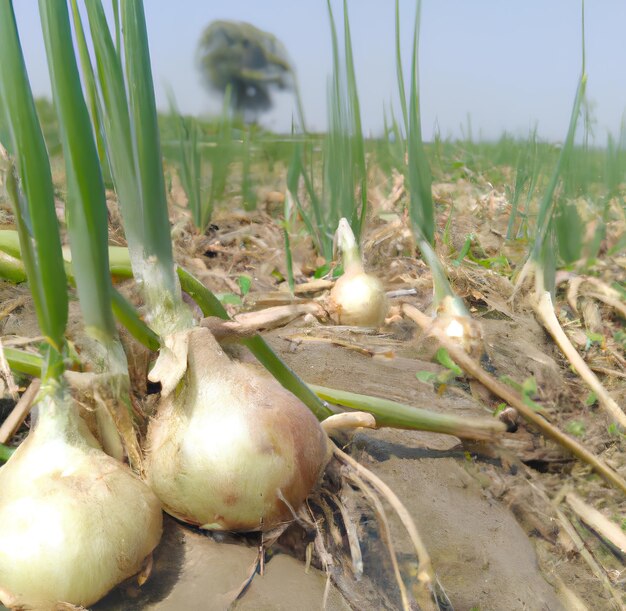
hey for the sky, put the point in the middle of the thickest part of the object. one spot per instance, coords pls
(505, 65)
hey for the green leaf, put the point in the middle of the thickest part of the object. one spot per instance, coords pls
(576, 428)
(464, 250)
(222, 154)
(444, 358)
(11, 269)
(529, 387)
(145, 129)
(248, 194)
(120, 265)
(33, 195)
(357, 143)
(278, 275)
(613, 430)
(288, 211)
(86, 210)
(400, 71)
(244, 282)
(445, 378)
(134, 151)
(344, 164)
(321, 271)
(229, 298)
(400, 415)
(570, 230)
(511, 382)
(162, 292)
(118, 133)
(312, 219)
(497, 262)
(591, 399)
(128, 317)
(24, 362)
(441, 285)
(595, 338)
(532, 404)
(5, 452)
(426, 376)
(189, 165)
(421, 209)
(91, 90)
(499, 409)
(336, 271)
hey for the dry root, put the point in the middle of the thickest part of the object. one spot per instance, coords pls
(348, 420)
(545, 312)
(19, 413)
(250, 323)
(104, 396)
(359, 493)
(595, 288)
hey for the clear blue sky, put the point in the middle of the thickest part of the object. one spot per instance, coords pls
(507, 64)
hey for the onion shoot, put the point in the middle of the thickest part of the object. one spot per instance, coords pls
(74, 522)
(450, 313)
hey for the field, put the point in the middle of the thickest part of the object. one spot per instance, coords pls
(504, 269)
(473, 502)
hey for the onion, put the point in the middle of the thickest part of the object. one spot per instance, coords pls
(229, 449)
(358, 298)
(455, 321)
(74, 522)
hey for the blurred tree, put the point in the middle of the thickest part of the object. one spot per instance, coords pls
(248, 63)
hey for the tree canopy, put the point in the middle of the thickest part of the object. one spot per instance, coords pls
(238, 58)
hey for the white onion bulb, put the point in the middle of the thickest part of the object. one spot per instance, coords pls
(74, 522)
(358, 298)
(229, 449)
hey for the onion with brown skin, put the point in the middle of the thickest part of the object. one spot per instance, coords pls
(229, 449)
(74, 522)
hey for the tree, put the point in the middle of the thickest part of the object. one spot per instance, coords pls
(248, 63)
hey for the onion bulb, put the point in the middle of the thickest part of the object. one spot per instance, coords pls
(74, 522)
(358, 298)
(455, 321)
(229, 448)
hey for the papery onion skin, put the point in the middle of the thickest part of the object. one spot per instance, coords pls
(230, 445)
(358, 299)
(74, 522)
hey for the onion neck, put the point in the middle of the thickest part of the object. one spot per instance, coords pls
(444, 298)
(194, 354)
(346, 243)
(58, 418)
(53, 366)
(167, 311)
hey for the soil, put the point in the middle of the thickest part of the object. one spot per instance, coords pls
(194, 570)
(483, 557)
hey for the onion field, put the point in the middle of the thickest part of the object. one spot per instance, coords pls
(242, 369)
